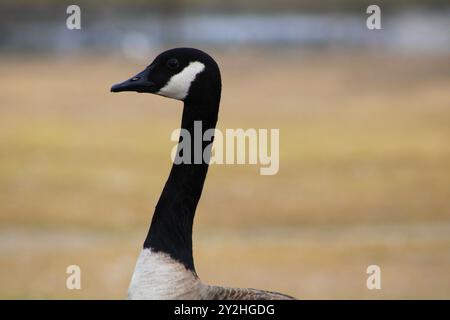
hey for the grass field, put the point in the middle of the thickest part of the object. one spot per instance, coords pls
(364, 175)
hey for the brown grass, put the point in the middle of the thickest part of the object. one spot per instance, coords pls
(364, 176)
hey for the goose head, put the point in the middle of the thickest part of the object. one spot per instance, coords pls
(185, 74)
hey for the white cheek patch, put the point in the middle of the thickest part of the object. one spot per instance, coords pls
(178, 85)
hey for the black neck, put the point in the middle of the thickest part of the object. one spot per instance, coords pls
(171, 228)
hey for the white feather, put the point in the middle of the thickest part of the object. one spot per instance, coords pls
(178, 85)
(157, 276)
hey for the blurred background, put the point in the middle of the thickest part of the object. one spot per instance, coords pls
(364, 139)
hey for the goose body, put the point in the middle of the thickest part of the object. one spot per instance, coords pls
(158, 276)
(165, 267)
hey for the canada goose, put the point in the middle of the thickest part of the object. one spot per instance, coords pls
(165, 268)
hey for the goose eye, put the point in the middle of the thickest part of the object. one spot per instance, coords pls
(172, 64)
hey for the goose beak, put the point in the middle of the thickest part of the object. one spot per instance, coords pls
(138, 83)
